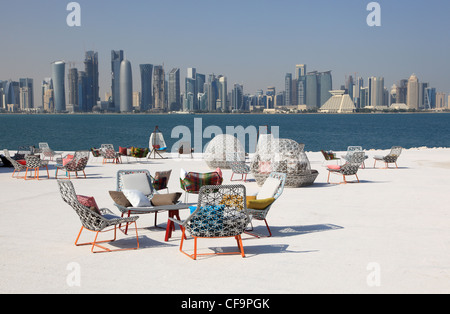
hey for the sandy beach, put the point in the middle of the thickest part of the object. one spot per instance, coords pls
(390, 233)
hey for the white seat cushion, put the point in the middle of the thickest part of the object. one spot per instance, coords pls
(136, 181)
(137, 198)
(268, 189)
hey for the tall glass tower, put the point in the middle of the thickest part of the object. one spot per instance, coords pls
(146, 86)
(58, 75)
(91, 69)
(116, 60)
(126, 87)
(325, 85)
(174, 95)
(311, 90)
(159, 87)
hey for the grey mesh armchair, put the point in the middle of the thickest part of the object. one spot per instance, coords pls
(350, 168)
(77, 164)
(18, 167)
(93, 221)
(221, 212)
(391, 158)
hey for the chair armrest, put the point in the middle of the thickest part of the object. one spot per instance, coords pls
(178, 222)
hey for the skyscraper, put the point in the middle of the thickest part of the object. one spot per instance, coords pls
(91, 69)
(287, 89)
(221, 103)
(27, 84)
(126, 87)
(146, 86)
(325, 84)
(376, 91)
(311, 91)
(159, 87)
(73, 87)
(116, 60)
(174, 95)
(58, 76)
(83, 86)
(412, 96)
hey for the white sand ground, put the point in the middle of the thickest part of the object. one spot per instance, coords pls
(388, 234)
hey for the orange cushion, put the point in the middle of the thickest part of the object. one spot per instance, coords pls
(22, 162)
(334, 167)
(66, 161)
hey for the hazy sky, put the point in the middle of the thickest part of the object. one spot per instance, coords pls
(251, 42)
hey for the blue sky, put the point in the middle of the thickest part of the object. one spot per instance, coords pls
(252, 42)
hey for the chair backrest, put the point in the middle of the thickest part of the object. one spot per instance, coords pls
(79, 161)
(185, 148)
(272, 185)
(33, 161)
(396, 151)
(43, 145)
(14, 162)
(221, 212)
(89, 219)
(354, 148)
(140, 180)
(352, 166)
(108, 151)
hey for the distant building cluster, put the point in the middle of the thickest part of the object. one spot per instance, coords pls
(303, 91)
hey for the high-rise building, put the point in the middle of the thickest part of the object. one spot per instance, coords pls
(146, 86)
(159, 87)
(116, 60)
(83, 86)
(300, 70)
(200, 82)
(440, 100)
(312, 91)
(73, 87)
(126, 87)
(376, 91)
(430, 98)
(287, 89)
(27, 83)
(221, 103)
(47, 95)
(91, 69)
(211, 90)
(174, 95)
(412, 97)
(237, 98)
(325, 84)
(58, 76)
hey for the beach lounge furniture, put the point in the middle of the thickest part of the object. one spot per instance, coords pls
(240, 168)
(98, 220)
(220, 213)
(161, 180)
(390, 158)
(285, 156)
(47, 152)
(137, 187)
(76, 163)
(192, 182)
(35, 163)
(258, 206)
(185, 148)
(222, 150)
(351, 150)
(19, 165)
(109, 154)
(330, 156)
(350, 168)
(157, 144)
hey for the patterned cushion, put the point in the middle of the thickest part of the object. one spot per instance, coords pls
(95, 152)
(232, 201)
(194, 181)
(139, 152)
(207, 222)
(89, 201)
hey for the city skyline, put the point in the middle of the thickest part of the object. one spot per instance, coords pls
(253, 43)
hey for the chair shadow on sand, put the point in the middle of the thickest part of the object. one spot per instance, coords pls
(253, 250)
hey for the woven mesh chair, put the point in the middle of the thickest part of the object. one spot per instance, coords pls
(261, 214)
(350, 168)
(34, 162)
(240, 167)
(353, 149)
(47, 152)
(77, 164)
(391, 158)
(109, 153)
(285, 156)
(18, 167)
(92, 221)
(221, 212)
(157, 144)
(222, 150)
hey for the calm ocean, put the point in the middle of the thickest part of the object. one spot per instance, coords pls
(316, 131)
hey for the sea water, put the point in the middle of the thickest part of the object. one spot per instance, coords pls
(70, 132)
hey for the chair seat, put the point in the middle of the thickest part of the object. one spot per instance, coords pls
(378, 157)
